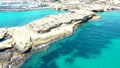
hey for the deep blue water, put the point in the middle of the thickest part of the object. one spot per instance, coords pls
(95, 44)
(11, 19)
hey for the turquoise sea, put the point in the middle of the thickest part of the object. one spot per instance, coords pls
(95, 44)
(11, 19)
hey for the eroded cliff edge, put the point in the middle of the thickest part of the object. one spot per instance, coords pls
(16, 43)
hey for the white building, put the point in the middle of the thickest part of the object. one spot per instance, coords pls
(18, 3)
(111, 1)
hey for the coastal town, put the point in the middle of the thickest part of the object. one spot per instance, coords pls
(27, 4)
(17, 43)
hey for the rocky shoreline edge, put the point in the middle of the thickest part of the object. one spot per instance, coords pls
(17, 43)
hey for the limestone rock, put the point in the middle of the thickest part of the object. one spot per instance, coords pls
(6, 55)
(22, 40)
(41, 31)
(53, 21)
(3, 31)
(6, 44)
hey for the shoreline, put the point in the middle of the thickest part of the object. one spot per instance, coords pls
(23, 9)
(39, 33)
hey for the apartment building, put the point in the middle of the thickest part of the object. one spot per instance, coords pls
(110, 1)
(18, 3)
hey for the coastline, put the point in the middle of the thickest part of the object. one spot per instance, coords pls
(36, 37)
(24, 9)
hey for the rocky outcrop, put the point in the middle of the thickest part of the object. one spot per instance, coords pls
(19, 39)
(22, 40)
(90, 7)
(6, 44)
(6, 55)
(17, 42)
(44, 25)
(3, 32)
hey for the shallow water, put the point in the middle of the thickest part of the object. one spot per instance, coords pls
(95, 44)
(11, 19)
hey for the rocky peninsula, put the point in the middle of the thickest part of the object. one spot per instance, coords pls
(17, 43)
